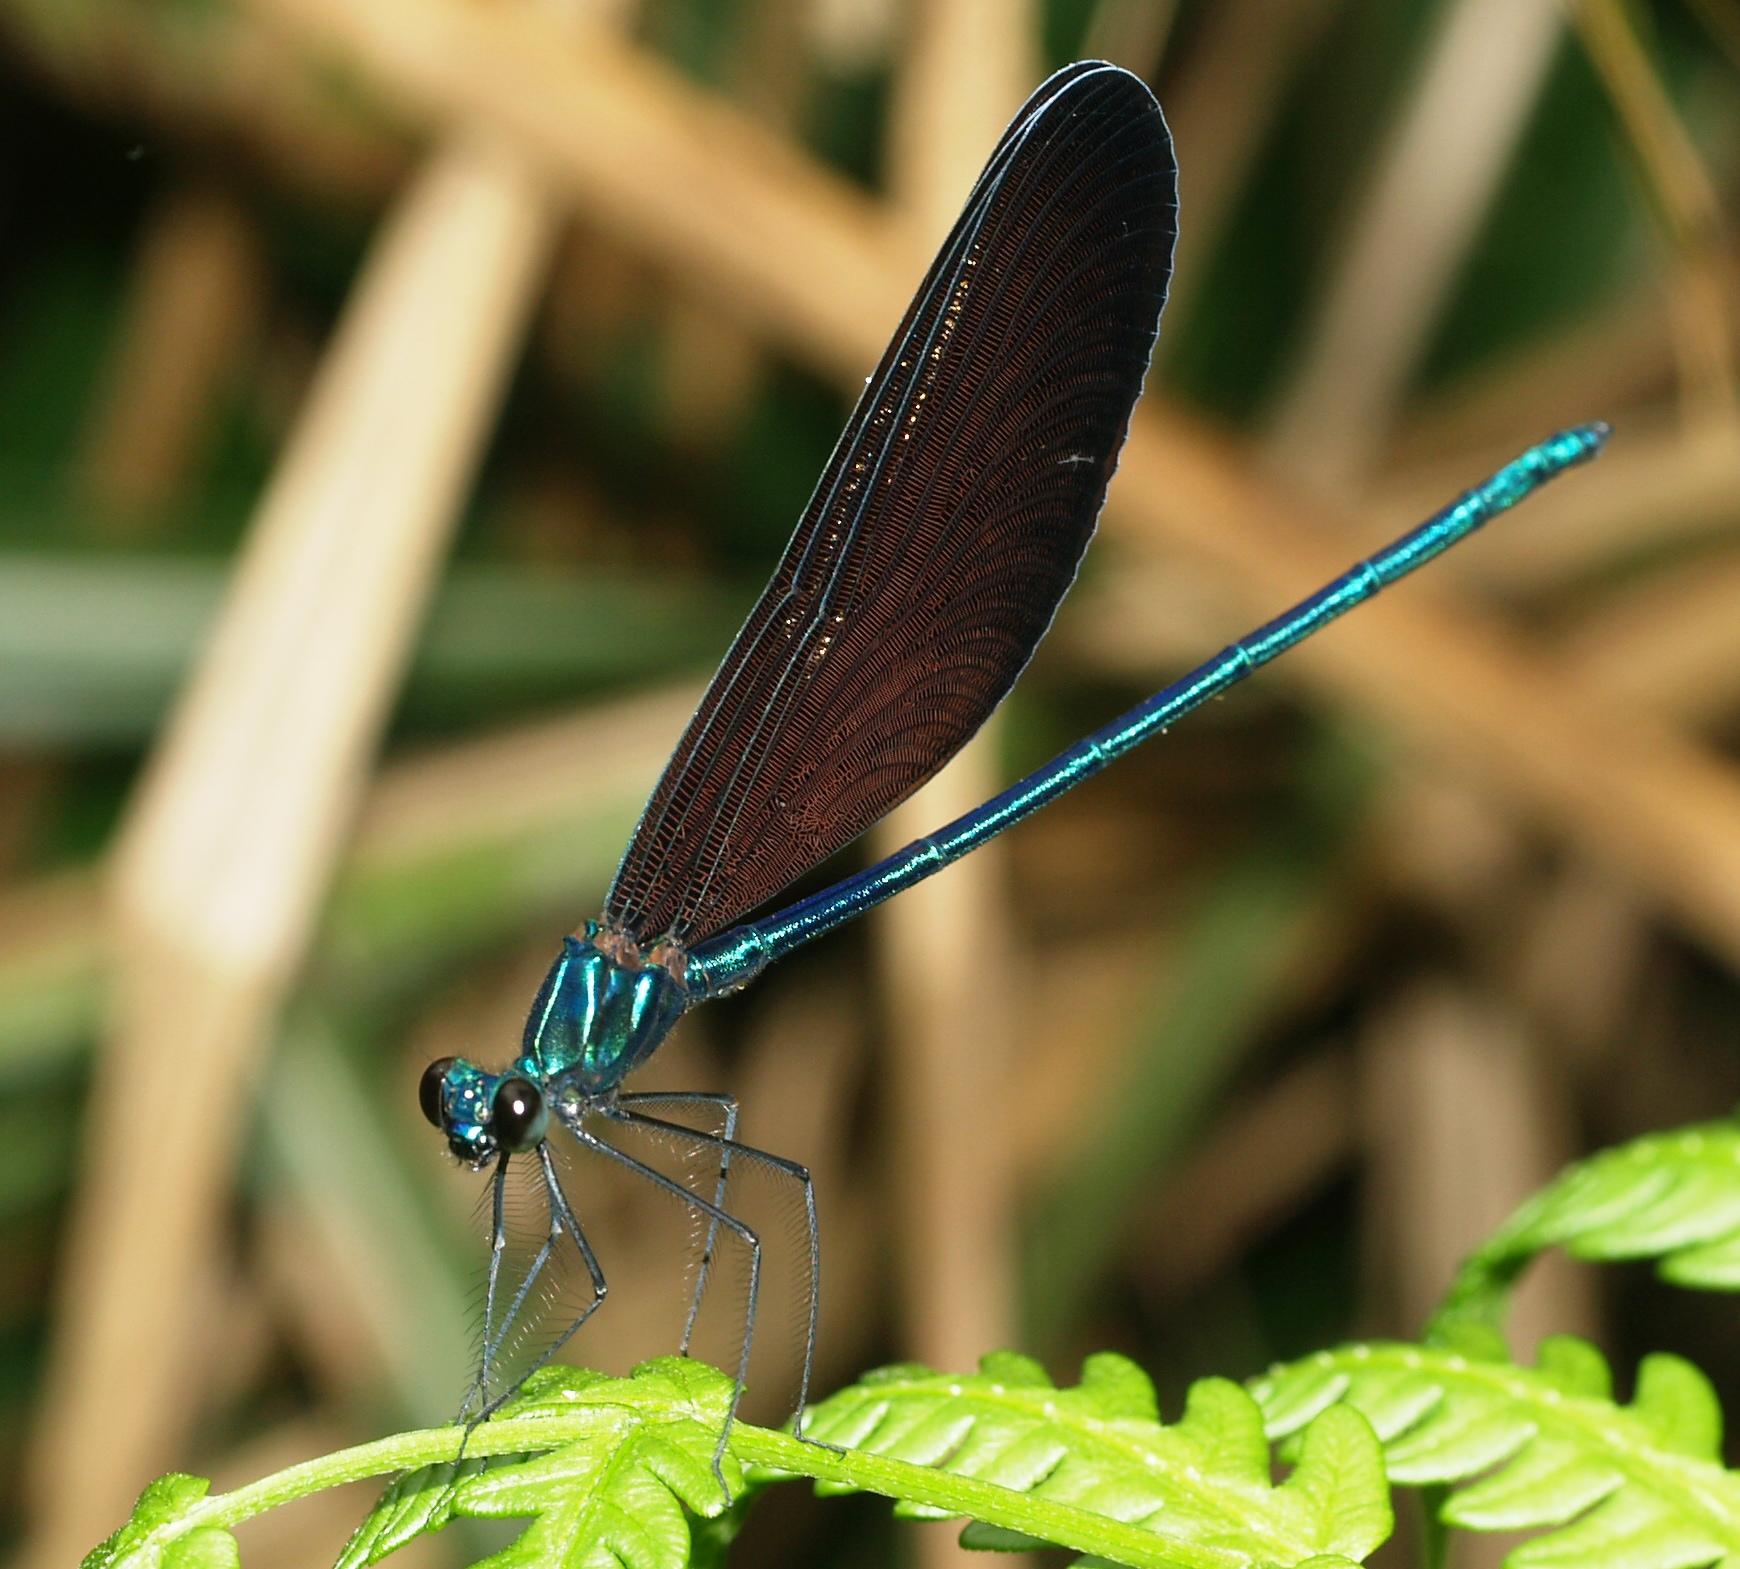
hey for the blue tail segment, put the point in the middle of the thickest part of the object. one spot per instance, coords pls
(737, 956)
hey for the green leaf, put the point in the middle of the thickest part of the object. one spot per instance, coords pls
(615, 1496)
(1342, 1471)
(619, 1473)
(1679, 1403)
(419, 1501)
(149, 1539)
(609, 1471)
(206, 1548)
(1537, 1449)
(1201, 1483)
(1670, 1196)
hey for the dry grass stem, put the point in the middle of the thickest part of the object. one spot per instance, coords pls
(945, 950)
(1617, 359)
(505, 784)
(947, 967)
(1227, 98)
(1661, 487)
(1686, 203)
(1461, 1125)
(1072, 1040)
(1659, 808)
(1669, 646)
(500, 790)
(1434, 181)
(234, 830)
(740, 211)
(1582, 1005)
(224, 81)
(1134, 33)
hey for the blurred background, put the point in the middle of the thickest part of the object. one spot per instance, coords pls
(400, 404)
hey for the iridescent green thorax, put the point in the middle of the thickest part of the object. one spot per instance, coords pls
(602, 1010)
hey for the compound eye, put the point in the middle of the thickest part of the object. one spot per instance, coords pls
(429, 1089)
(517, 1115)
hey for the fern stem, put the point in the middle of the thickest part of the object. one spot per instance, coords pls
(1046, 1519)
(401, 1452)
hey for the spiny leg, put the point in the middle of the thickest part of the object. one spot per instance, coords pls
(727, 1104)
(790, 1169)
(720, 1217)
(561, 1217)
(492, 1348)
(497, 1246)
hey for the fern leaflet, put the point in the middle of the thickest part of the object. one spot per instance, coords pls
(1617, 1487)
(1201, 1488)
(616, 1495)
(160, 1534)
(1673, 1196)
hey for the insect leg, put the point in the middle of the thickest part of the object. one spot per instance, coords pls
(479, 1390)
(789, 1170)
(562, 1219)
(728, 1105)
(721, 1218)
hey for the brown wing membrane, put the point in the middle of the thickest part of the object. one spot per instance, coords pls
(948, 523)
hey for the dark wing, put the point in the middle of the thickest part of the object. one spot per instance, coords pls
(947, 525)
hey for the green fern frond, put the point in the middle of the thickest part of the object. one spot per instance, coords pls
(1201, 1485)
(610, 1471)
(618, 1473)
(1619, 1487)
(1672, 1196)
(619, 1493)
(160, 1534)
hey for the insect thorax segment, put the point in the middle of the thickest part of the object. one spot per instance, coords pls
(603, 1009)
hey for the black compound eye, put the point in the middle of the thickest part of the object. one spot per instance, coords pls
(517, 1115)
(429, 1089)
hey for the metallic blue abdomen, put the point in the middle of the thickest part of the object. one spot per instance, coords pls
(599, 1015)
